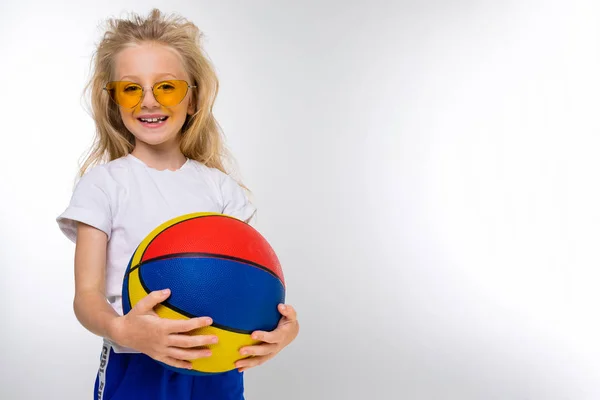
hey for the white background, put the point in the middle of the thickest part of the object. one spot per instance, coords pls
(426, 171)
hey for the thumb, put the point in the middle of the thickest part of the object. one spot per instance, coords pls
(288, 311)
(148, 302)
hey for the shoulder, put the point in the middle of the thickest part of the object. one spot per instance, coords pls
(219, 177)
(104, 176)
(93, 200)
(234, 200)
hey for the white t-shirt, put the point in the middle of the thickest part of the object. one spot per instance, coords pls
(127, 199)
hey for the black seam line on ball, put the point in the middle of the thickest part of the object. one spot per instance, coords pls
(205, 255)
(189, 315)
(179, 222)
(128, 295)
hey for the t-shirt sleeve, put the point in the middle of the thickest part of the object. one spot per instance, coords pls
(90, 204)
(235, 201)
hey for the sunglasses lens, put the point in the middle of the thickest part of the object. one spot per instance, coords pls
(125, 94)
(170, 93)
(129, 94)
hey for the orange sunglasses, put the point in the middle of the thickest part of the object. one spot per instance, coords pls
(130, 94)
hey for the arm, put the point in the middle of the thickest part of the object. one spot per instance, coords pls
(90, 305)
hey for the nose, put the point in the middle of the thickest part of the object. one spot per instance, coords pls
(148, 100)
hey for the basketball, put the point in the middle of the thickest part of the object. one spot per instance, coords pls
(216, 266)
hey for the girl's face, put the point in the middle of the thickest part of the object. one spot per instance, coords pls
(145, 65)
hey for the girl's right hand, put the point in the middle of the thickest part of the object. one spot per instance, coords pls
(163, 339)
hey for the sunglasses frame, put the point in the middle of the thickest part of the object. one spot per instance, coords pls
(152, 91)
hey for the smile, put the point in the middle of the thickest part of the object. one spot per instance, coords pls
(153, 122)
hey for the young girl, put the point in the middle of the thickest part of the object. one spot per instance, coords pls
(152, 95)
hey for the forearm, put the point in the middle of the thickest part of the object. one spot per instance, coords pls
(95, 314)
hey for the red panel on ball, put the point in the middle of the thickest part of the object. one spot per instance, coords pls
(216, 235)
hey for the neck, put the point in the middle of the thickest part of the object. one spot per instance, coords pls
(159, 158)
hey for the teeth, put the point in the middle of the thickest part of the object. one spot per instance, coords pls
(153, 119)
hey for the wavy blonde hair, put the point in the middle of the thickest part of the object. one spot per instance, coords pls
(202, 138)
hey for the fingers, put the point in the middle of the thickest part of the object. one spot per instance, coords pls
(288, 311)
(246, 363)
(187, 354)
(147, 303)
(177, 363)
(275, 336)
(187, 325)
(259, 350)
(188, 341)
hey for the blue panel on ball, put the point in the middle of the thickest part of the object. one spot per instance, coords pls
(237, 296)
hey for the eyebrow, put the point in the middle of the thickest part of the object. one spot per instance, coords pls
(159, 75)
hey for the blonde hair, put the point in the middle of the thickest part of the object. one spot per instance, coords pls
(201, 134)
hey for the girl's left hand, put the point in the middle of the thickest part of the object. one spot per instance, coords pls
(274, 341)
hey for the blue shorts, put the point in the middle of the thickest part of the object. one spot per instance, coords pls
(127, 376)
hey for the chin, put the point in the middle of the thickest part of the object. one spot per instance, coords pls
(152, 138)
(155, 140)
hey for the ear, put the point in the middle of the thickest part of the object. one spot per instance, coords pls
(191, 109)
